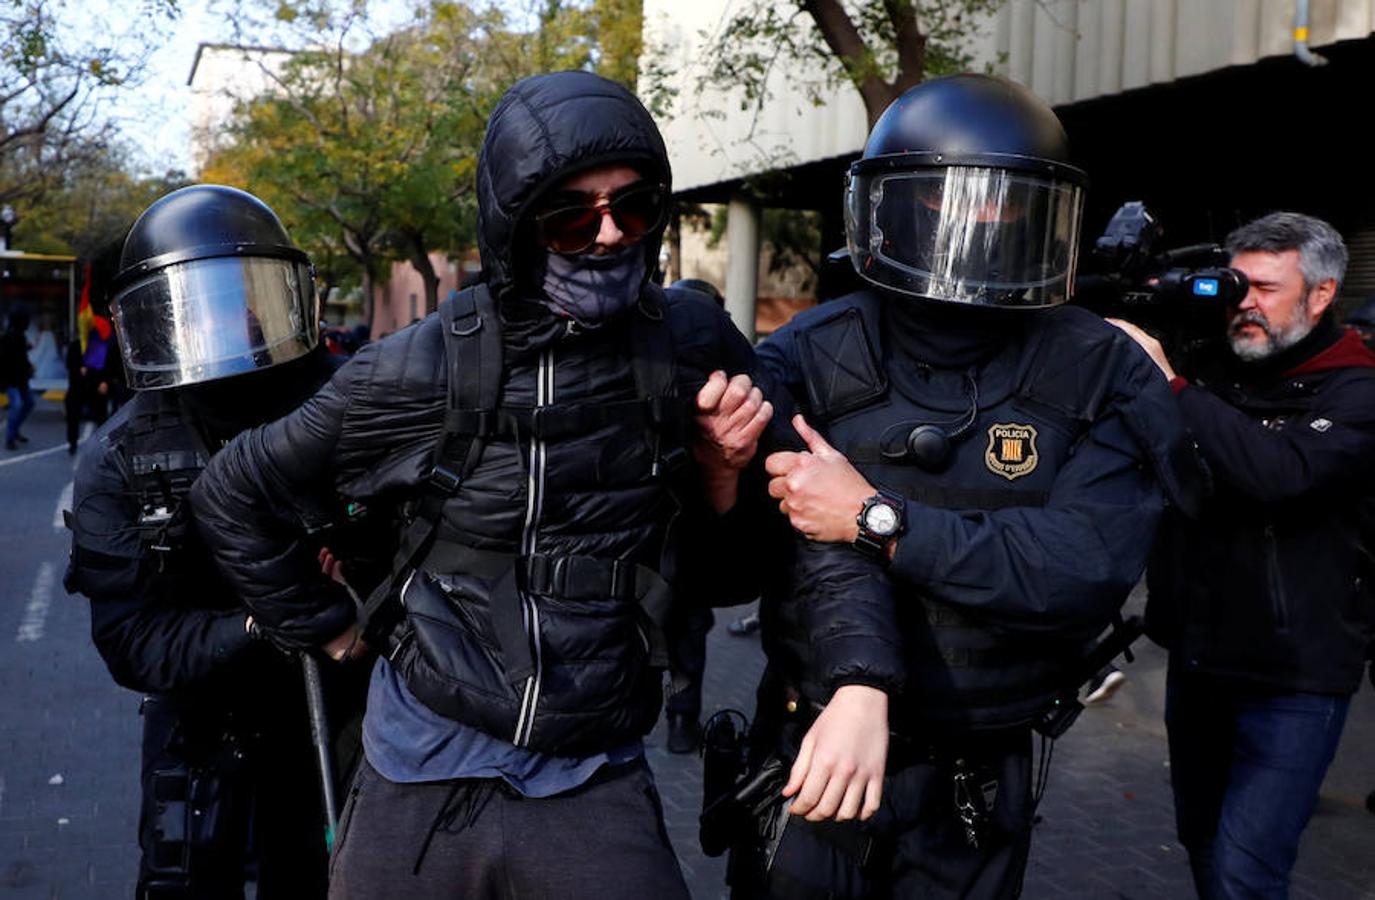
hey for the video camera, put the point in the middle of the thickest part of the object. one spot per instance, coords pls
(1179, 295)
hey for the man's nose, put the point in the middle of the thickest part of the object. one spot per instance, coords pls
(1249, 301)
(610, 234)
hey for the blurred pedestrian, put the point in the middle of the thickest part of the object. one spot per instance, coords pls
(15, 372)
(88, 383)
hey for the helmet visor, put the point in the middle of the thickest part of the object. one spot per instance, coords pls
(966, 234)
(211, 318)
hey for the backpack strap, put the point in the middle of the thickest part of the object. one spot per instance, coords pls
(652, 360)
(472, 348)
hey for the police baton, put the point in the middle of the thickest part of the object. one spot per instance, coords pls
(319, 735)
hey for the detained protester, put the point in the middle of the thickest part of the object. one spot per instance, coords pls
(1264, 601)
(983, 466)
(216, 311)
(543, 430)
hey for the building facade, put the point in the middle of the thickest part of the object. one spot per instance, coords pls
(1210, 111)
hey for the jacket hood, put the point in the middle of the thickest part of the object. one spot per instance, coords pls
(544, 129)
(1347, 352)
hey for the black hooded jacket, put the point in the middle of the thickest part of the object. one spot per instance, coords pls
(1271, 585)
(590, 494)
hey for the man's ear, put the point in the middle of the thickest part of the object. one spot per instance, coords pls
(1320, 298)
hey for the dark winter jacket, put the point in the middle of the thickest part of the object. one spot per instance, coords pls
(163, 620)
(15, 368)
(585, 491)
(1272, 584)
(1015, 554)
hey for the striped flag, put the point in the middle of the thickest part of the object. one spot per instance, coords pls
(86, 319)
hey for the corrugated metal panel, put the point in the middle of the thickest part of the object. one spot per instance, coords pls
(1360, 267)
(1064, 50)
(1072, 50)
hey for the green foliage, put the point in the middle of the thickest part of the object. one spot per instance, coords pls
(879, 47)
(59, 64)
(617, 26)
(368, 156)
(792, 236)
(367, 144)
(92, 205)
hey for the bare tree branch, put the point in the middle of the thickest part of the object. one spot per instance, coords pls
(840, 34)
(911, 43)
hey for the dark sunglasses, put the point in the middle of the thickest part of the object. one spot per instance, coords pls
(636, 209)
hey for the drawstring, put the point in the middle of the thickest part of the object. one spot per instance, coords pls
(466, 807)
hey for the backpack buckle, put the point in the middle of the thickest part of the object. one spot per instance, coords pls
(444, 480)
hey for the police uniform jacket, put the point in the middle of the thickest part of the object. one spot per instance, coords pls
(162, 618)
(1271, 585)
(1017, 552)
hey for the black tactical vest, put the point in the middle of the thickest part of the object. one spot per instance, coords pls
(1013, 423)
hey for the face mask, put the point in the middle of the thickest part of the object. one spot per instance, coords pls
(594, 289)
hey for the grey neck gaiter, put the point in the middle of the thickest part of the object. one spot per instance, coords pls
(594, 289)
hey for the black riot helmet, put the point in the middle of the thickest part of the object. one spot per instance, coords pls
(211, 286)
(965, 194)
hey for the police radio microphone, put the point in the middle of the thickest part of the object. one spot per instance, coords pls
(928, 444)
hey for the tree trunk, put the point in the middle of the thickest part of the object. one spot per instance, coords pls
(420, 261)
(368, 280)
(359, 247)
(844, 39)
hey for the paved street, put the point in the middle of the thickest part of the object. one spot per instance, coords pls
(69, 748)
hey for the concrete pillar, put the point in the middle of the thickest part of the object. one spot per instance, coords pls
(742, 265)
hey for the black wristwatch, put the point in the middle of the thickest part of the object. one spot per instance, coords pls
(880, 520)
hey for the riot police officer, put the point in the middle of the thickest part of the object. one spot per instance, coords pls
(984, 467)
(216, 312)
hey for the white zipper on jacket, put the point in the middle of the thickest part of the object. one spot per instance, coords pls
(534, 505)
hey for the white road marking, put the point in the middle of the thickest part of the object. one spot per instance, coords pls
(64, 501)
(28, 456)
(40, 598)
(86, 429)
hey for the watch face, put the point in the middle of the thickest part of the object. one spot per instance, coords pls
(881, 519)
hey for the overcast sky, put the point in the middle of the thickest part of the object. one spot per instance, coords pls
(156, 117)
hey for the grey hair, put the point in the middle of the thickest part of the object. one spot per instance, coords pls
(1322, 253)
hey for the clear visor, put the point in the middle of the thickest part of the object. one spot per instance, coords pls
(211, 318)
(966, 234)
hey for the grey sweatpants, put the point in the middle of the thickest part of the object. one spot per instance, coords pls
(478, 838)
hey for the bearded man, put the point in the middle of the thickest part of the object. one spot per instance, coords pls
(1264, 601)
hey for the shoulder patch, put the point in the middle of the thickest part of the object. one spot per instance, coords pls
(1320, 424)
(1011, 450)
(842, 370)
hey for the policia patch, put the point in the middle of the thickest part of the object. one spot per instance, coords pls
(1011, 450)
